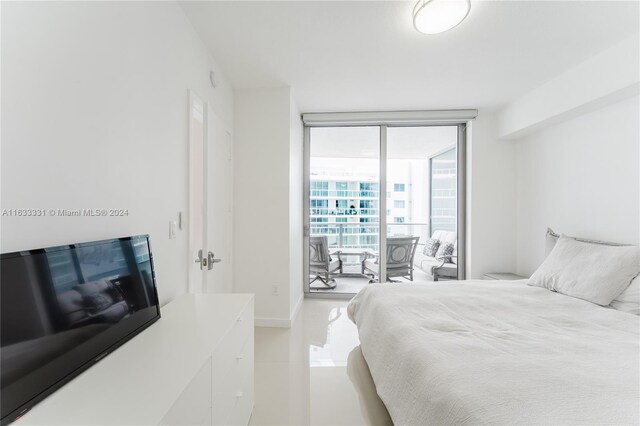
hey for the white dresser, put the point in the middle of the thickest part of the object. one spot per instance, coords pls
(194, 366)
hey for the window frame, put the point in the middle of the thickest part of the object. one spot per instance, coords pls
(384, 120)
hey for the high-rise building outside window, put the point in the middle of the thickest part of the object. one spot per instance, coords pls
(319, 189)
(342, 189)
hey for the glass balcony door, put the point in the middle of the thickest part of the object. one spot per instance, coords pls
(344, 206)
(366, 181)
(444, 191)
(421, 174)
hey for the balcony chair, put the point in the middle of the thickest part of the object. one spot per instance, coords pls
(440, 266)
(320, 263)
(400, 254)
(445, 268)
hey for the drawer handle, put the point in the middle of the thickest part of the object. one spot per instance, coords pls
(239, 357)
(239, 394)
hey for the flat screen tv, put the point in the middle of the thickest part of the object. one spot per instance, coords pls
(65, 308)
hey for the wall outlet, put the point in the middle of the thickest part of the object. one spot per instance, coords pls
(275, 290)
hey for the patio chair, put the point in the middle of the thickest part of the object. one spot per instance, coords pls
(446, 269)
(320, 263)
(400, 254)
(440, 267)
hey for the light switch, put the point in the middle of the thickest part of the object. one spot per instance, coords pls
(173, 225)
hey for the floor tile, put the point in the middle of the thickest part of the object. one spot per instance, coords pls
(314, 372)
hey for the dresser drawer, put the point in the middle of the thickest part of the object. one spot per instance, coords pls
(236, 337)
(193, 406)
(228, 380)
(231, 347)
(241, 412)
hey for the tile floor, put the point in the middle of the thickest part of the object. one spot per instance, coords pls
(314, 372)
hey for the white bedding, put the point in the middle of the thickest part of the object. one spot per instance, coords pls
(497, 352)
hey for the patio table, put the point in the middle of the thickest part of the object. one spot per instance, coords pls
(362, 253)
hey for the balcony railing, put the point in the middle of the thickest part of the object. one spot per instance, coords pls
(343, 212)
(366, 235)
(324, 193)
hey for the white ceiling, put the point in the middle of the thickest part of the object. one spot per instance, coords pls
(364, 55)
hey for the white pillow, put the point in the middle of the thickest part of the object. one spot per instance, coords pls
(629, 299)
(551, 238)
(593, 272)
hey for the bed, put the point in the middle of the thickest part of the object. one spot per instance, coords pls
(497, 352)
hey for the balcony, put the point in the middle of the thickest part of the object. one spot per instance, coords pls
(357, 241)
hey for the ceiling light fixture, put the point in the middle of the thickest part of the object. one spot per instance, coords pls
(437, 16)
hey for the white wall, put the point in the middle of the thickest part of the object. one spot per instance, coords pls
(94, 115)
(267, 185)
(491, 191)
(296, 192)
(603, 79)
(580, 178)
(576, 141)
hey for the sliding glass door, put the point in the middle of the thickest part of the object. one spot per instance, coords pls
(344, 209)
(443, 191)
(411, 201)
(366, 181)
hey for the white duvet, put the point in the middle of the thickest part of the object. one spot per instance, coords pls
(497, 352)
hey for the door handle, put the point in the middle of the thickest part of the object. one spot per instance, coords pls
(202, 261)
(211, 260)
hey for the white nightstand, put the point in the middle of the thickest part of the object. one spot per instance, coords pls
(502, 276)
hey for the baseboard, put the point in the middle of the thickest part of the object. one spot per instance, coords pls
(272, 322)
(279, 322)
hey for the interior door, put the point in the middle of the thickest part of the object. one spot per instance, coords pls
(197, 202)
(218, 190)
(210, 172)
